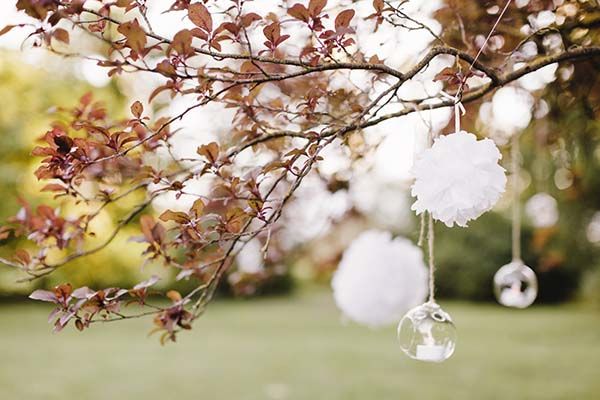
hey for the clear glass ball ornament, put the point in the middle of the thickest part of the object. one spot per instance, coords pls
(427, 333)
(515, 285)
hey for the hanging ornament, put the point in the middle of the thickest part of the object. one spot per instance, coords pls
(427, 333)
(458, 178)
(515, 284)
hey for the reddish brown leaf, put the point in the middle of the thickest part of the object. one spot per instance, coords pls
(146, 224)
(64, 144)
(198, 207)
(200, 16)
(61, 35)
(134, 35)
(123, 3)
(23, 256)
(316, 6)
(343, 19)
(177, 216)
(378, 5)
(137, 109)
(210, 151)
(249, 18)
(79, 325)
(6, 29)
(182, 43)
(166, 68)
(272, 32)
(174, 295)
(299, 12)
(53, 187)
(159, 89)
(63, 291)
(36, 9)
(159, 233)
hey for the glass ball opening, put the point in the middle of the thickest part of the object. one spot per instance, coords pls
(515, 285)
(427, 333)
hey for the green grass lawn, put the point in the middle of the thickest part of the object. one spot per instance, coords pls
(298, 348)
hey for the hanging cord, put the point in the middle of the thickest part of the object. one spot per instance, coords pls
(459, 92)
(459, 110)
(481, 49)
(422, 230)
(430, 243)
(457, 116)
(516, 206)
(430, 138)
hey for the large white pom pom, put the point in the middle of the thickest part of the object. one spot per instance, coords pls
(379, 279)
(458, 178)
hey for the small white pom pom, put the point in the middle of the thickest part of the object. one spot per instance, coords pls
(458, 178)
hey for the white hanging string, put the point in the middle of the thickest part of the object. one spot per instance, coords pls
(459, 92)
(427, 219)
(430, 242)
(459, 109)
(430, 137)
(481, 49)
(422, 230)
(516, 206)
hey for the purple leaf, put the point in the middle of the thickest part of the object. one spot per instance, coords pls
(65, 318)
(147, 283)
(44, 295)
(83, 293)
(184, 274)
(120, 293)
(53, 314)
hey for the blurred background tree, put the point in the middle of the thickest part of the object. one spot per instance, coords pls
(561, 157)
(30, 95)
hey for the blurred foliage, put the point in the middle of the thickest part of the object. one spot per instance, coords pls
(591, 288)
(467, 260)
(30, 94)
(561, 156)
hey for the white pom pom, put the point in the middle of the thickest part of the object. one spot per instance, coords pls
(379, 279)
(458, 178)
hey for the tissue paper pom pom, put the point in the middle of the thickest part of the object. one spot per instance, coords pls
(542, 210)
(458, 178)
(379, 279)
